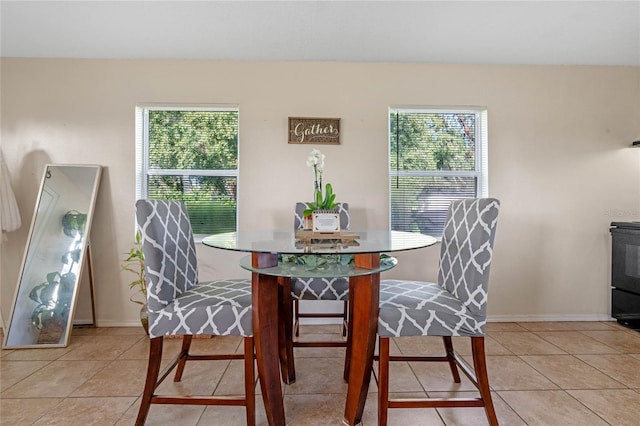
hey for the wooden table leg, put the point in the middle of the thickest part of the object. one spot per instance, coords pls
(366, 298)
(285, 331)
(264, 293)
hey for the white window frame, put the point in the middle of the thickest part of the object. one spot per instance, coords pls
(142, 149)
(481, 170)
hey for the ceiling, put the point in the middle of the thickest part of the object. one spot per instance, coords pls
(482, 32)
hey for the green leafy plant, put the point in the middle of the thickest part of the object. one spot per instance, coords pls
(134, 263)
(321, 202)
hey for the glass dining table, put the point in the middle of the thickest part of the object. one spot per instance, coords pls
(268, 267)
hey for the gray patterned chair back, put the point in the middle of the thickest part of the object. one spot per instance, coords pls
(466, 251)
(169, 251)
(321, 288)
(342, 208)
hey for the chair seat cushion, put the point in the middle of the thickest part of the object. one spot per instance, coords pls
(320, 288)
(220, 308)
(417, 308)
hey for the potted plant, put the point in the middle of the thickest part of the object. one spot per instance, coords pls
(321, 202)
(54, 296)
(134, 263)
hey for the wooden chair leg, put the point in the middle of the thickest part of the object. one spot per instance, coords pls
(480, 367)
(345, 319)
(296, 318)
(383, 381)
(249, 381)
(448, 347)
(153, 369)
(347, 356)
(184, 353)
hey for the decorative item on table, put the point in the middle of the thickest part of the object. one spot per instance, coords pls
(323, 203)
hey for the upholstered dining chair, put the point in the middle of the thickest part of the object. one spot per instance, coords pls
(336, 289)
(454, 306)
(293, 290)
(181, 305)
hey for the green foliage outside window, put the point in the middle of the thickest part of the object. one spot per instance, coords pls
(432, 161)
(193, 157)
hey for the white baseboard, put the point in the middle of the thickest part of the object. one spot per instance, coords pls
(493, 318)
(549, 318)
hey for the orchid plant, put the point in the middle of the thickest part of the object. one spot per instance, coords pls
(321, 201)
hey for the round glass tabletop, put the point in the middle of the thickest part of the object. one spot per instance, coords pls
(286, 242)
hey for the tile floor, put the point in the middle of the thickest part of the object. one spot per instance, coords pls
(542, 373)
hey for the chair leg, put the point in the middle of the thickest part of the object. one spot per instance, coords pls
(383, 380)
(153, 369)
(347, 357)
(184, 353)
(448, 347)
(480, 367)
(345, 318)
(249, 381)
(296, 318)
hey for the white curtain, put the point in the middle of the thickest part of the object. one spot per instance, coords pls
(9, 213)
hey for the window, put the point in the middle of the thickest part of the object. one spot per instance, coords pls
(190, 154)
(436, 156)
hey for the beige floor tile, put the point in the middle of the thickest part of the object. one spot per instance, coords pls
(400, 416)
(622, 341)
(99, 347)
(56, 379)
(512, 373)
(314, 410)
(402, 378)
(11, 372)
(87, 411)
(19, 412)
(232, 380)
(472, 416)
(164, 415)
(503, 326)
(567, 325)
(525, 343)
(420, 345)
(318, 375)
(623, 368)
(544, 408)
(462, 346)
(36, 354)
(618, 407)
(140, 350)
(232, 416)
(436, 376)
(199, 378)
(118, 378)
(318, 397)
(575, 342)
(569, 372)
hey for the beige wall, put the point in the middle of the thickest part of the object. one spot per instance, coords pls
(559, 160)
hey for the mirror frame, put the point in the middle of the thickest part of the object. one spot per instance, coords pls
(79, 255)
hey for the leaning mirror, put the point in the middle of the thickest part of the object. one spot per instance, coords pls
(56, 252)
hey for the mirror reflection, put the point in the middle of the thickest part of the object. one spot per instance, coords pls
(43, 307)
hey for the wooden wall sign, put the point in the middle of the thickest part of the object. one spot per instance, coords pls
(314, 130)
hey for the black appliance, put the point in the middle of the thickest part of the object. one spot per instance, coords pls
(625, 273)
